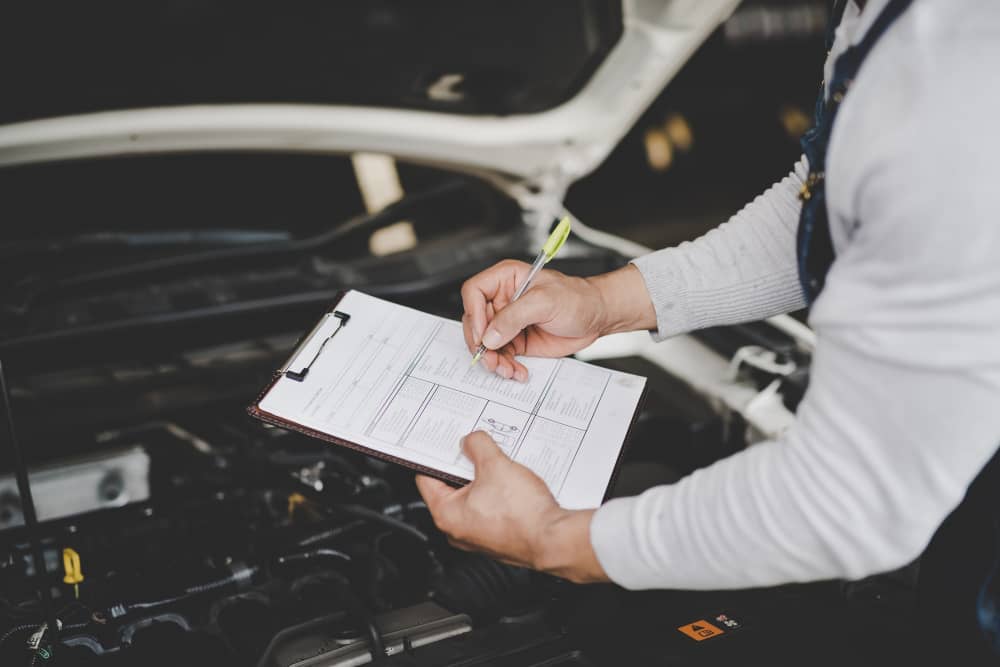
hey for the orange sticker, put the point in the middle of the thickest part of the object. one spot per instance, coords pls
(700, 630)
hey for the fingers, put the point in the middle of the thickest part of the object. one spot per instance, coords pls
(520, 342)
(505, 363)
(536, 306)
(483, 295)
(445, 503)
(481, 449)
(470, 341)
(433, 491)
(519, 346)
(474, 300)
(490, 360)
(508, 366)
(481, 289)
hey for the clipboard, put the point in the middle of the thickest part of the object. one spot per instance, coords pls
(256, 412)
(299, 371)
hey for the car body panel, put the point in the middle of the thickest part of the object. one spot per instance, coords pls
(549, 149)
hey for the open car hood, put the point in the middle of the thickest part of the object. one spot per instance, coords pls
(625, 54)
(532, 146)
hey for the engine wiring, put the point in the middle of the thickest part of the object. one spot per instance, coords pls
(354, 528)
(40, 629)
(29, 292)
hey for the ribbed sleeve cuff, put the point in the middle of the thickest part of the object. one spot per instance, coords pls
(666, 290)
(684, 303)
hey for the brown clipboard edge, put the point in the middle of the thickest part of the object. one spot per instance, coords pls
(255, 411)
(626, 442)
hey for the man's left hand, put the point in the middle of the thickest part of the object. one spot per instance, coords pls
(508, 512)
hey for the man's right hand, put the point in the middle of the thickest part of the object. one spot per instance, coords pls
(557, 316)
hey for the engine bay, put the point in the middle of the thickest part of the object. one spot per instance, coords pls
(209, 538)
(177, 530)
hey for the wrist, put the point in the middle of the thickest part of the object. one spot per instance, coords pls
(624, 301)
(562, 547)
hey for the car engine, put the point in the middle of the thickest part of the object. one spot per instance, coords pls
(176, 530)
(214, 539)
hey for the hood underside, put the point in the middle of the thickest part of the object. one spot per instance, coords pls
(540, 92)
(497, 59)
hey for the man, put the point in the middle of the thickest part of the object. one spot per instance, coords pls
(903, 409)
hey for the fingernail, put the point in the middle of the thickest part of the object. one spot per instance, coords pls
(504, 372)
(521, 375)
(492, 339)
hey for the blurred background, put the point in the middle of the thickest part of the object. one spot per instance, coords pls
(723, 130)
(146, 299)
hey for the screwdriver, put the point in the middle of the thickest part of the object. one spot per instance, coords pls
(556, 240)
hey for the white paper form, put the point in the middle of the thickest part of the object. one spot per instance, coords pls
(399, 381)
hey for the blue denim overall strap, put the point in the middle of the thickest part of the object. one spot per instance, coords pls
(960, 570)
(958, 587)
(988, 600)
(815, 246)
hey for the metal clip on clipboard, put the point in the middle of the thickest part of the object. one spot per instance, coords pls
(299, 376)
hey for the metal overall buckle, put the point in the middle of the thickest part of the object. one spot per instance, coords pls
(807, 189)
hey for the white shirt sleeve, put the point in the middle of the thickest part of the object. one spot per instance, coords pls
(879, 455)
(903, 407)
(741, 271)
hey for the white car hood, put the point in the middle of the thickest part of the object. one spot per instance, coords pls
(544, 151)
(533, 157)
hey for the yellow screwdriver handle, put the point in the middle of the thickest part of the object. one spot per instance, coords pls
(71, 567)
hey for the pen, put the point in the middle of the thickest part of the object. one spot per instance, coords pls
(549, 250)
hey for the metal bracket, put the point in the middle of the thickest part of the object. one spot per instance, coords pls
(299, 376)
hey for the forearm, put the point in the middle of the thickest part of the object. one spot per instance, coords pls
(625, 301)
(564, 548)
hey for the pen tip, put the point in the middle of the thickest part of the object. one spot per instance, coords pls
(476, 358)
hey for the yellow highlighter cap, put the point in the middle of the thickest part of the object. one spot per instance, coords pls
(556, 239)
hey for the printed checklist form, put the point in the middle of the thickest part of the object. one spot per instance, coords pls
(397, 383)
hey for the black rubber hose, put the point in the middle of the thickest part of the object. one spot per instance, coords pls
(387, 521)
(357, 511)
(243, 575)
(391, 212)
(268, 473)
(312, 555)
(13, 631)
(375, 641)
(32, 291)
(331, 533)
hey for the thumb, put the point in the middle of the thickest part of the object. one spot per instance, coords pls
(481, 449)
(433, 491)
(533, 307)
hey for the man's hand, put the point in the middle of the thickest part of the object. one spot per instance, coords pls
(557, 316)
(509, 513)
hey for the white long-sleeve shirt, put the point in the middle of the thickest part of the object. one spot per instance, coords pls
(903, 407)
